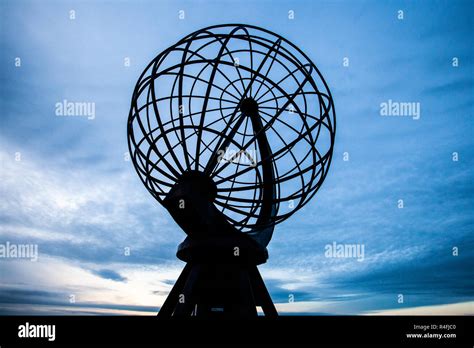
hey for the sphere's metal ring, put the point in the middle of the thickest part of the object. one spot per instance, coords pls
(186, 103)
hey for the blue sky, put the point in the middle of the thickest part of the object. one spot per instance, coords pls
(74, 194)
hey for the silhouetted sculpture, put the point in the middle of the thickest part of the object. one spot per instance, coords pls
(232, 130)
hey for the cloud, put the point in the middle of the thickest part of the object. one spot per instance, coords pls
(83, 214)
(462, 308)
(448, 88)
(65, 283)
(110, 274)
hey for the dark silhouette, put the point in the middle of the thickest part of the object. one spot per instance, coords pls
(232, 130)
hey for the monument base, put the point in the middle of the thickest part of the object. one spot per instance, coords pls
(220, 279)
